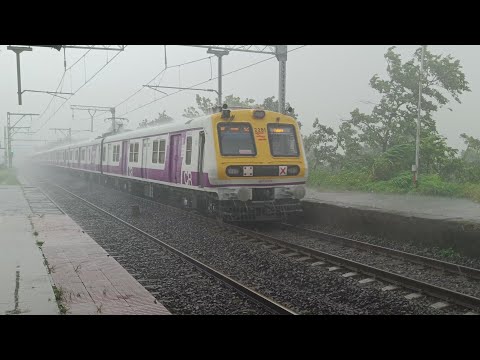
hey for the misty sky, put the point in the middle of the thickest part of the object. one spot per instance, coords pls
(322, 81)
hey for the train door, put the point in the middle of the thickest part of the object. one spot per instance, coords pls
(124, 158)
(145, 158)
(109, 156)
(175, 159)
(201, 144)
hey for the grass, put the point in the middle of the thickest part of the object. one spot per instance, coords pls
(432, 185)
(448, 253)
(59, 296)
(8, 177)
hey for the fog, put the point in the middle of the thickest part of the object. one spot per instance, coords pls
(327, 82)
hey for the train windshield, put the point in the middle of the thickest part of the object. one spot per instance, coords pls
(236, 139)
(282, 139)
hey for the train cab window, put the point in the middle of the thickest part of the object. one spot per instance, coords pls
(236, 139)
(282, 139)
(76, 155)
(188, 156)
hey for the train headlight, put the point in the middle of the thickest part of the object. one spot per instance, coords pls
(234, 171)
(243, 194)
(299, 192)
(258, 114)
(293, 170)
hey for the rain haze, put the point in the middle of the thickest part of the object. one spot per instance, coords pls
(323, 81)
(125, 190)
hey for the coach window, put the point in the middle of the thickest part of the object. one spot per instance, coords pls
(135, 152)
(161, 152)
(155, 152)
(188, 157)
(133, 156)
(116, 153)
(104, 152)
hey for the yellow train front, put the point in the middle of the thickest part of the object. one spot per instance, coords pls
(260, 165)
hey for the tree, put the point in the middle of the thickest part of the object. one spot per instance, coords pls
(472, 153)
(321, 146)
(435, 153)
(393, 120)
(205, 105)
(233, 101)
(162, 118)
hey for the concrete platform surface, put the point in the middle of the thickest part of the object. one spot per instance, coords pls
(25, 286)
(88, 279)
(430, 207)
(45, 255)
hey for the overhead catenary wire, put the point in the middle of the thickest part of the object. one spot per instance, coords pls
(206, 81)
(153, 79)
(76, 91)
(61, 82)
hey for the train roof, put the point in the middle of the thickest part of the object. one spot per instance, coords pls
(168, 127)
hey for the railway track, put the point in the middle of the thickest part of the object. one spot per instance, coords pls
(317, 257)
(419, 287)
(320, 258)
(271, 306)
(418, 259)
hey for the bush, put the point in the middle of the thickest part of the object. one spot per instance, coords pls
(434, 185)
(472, 191)
(360, 180)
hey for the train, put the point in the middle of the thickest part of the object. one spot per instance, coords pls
(237, 165)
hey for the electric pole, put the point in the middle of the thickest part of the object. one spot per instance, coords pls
(18, 50)
(11, 130)
(95, 109)
(219, 54)
(280, 52)
(417, 147)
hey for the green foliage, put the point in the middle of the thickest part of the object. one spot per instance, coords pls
(205, 105)
(393, 120)
(472, 191)
(472, 153)
(448, 253)
(162, 118)
(402, 183)
(434, 185)
(394, 160)
(320, 146)
(379, 148)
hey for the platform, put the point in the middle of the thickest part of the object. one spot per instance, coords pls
(25, 286)
(432, 207)
(424, 220)
(46, 256)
